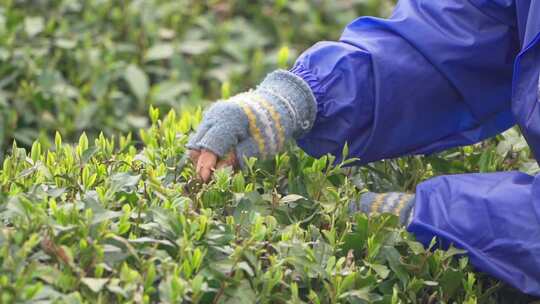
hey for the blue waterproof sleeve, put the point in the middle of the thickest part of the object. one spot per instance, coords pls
(436, 74)
(495, 217)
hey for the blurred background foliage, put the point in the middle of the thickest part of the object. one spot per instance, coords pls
(97, 65)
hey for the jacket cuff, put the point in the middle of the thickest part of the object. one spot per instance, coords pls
(297, 97)
(313, 81)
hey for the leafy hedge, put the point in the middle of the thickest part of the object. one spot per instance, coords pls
(96, 65)
(115, 222)
(117, 218)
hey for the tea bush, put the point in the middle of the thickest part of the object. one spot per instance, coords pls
(96, 65)
(116, 215)
(116, 221)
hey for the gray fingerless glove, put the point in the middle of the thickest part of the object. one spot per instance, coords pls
(259, 122)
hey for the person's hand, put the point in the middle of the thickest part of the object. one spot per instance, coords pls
(222, 134)
(207, 161)
(253, 124)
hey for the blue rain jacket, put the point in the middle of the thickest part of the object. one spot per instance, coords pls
(439, 74)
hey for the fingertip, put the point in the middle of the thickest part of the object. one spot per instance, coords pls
(206, 174)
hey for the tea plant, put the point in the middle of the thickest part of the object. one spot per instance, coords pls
(120, 221)
(96, 66)
(91, 213)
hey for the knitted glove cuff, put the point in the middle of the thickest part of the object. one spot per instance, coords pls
(400, 204)
(294, 93)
